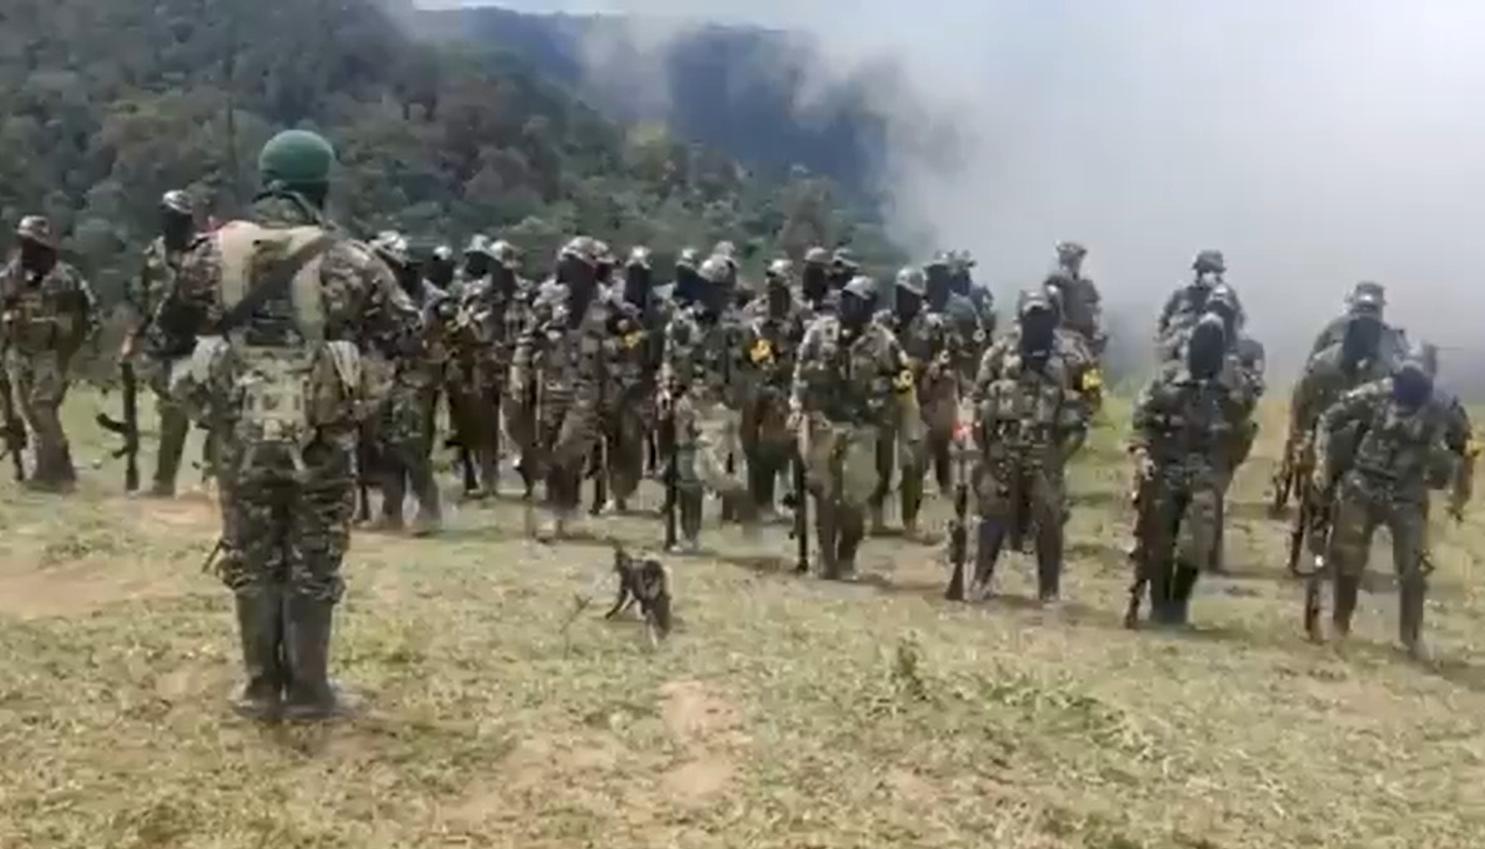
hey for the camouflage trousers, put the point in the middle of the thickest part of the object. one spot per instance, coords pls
(40, 383)
(1177, 529)
(405, 433)
(840, 472)
(476, 395)
(1017, 490)
(1360, 510)
(768, 444)
(627, 426)
(566, 430)
(285, 527)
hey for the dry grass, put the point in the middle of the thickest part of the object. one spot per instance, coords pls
(784, 712)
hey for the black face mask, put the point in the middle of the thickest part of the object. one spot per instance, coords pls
(1038, 332)
(854, 311)
(579, 275)
(909, 304)
(778, 300)
(1412, 387)
(637, 286)
(1363, 335)
(939, 287)
(505, 278)
(1206, 350)
(476, 266)
(177, 230)
(815, 282)
(37, 257)
(440, 273)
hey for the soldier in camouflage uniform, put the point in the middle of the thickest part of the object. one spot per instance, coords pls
(970, 337)
(49, 312)
(962, 284)
(852, 380)
(440, 269)
(559, 363)
(161, 263)
(405, 426)
(490, 317)
(816, 297)
(478, 259)
(1367, 300)
(702, 379)
(1379, 449)
(928, 344)
(1030, 419)
(1183, 422)
(1185, 307)
(268, 319)
(1077, 298)
(771, 340)
(635, 344)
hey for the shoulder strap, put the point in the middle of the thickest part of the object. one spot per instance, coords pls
(242, 300)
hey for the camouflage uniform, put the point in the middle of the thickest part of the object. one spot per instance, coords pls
(852, 380)
(702, 377)
(931, 350)
(634, 346)
(1380, 453)
(1077, 298)
(490, 317)
(49, 313)
(1030, 418)
(274, 366)
(559, 368)
(771, 340)
(1185, 307)
(405, 424)
(155, 280)
(1367, 299)
(1183, 423)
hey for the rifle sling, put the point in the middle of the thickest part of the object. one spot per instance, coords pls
(275, 282)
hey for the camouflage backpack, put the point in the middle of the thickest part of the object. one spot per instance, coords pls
(283, 389)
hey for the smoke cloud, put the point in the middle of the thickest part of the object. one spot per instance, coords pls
(1317, 144)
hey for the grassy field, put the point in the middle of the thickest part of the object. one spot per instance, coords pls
(785, 712)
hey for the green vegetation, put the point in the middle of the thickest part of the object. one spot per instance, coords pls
(105, 104)
(783, 712)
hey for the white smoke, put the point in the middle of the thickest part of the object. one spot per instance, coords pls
(1316, 143)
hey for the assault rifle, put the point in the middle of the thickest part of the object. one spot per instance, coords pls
(1285, 480)
(128, 428)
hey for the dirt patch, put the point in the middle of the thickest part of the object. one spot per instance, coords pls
(709, 727)
(694, 715)
(78, 588)
(699, 780)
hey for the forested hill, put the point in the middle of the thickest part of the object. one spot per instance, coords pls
(105, 104)
(737, 88)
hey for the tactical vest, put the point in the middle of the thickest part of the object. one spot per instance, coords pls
(33, 318)
(1023, 405)
(287, 391)
(1398, 446)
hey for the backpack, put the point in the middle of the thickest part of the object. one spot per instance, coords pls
(284, 395)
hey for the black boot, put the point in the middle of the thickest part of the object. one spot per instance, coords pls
(173, 430)
(1411, 595)
(1160, 587)
(1347, 588)
(943, 470)
(911, 501)
(850, 529)
(1182, 586)
(1049, 565)
(988, 540)
(260, 616)
(394, 492)
(691, 502)
(429, 519)
(311, 694)
(827, 533)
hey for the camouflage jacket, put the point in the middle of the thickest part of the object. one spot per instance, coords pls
(1186, 424)
(932, 349)
(561, 346)
(1390, 453)
(488, 323)
(861, 379)
(1392, 349)
(360, 304)
(1081, 307)
(436, 313)
(1182, 310)
(157, 273)
(706, 358)
(634, 347)
(1022, 408)
(1325, 380)
(772, 346)
(52, 311)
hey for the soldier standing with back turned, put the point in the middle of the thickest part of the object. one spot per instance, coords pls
(268, 322)
(48, 314)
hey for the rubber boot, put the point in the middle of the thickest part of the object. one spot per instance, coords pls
(1346, 590)
(988, 541)
(1183, 584)
(1049, 566)
(690, 504)
(943, 470)
(429, 520)
(260, 617)
(394, 493)
(173, 430)
(311, 696)
(1411, 595)
(729, 505)
(850, 529)
(826, 533)
(66, 472)
(1219, 549)
(912, 502)
(1160, 588)
(762, 482)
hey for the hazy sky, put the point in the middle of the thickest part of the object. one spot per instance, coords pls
(1317, 143)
